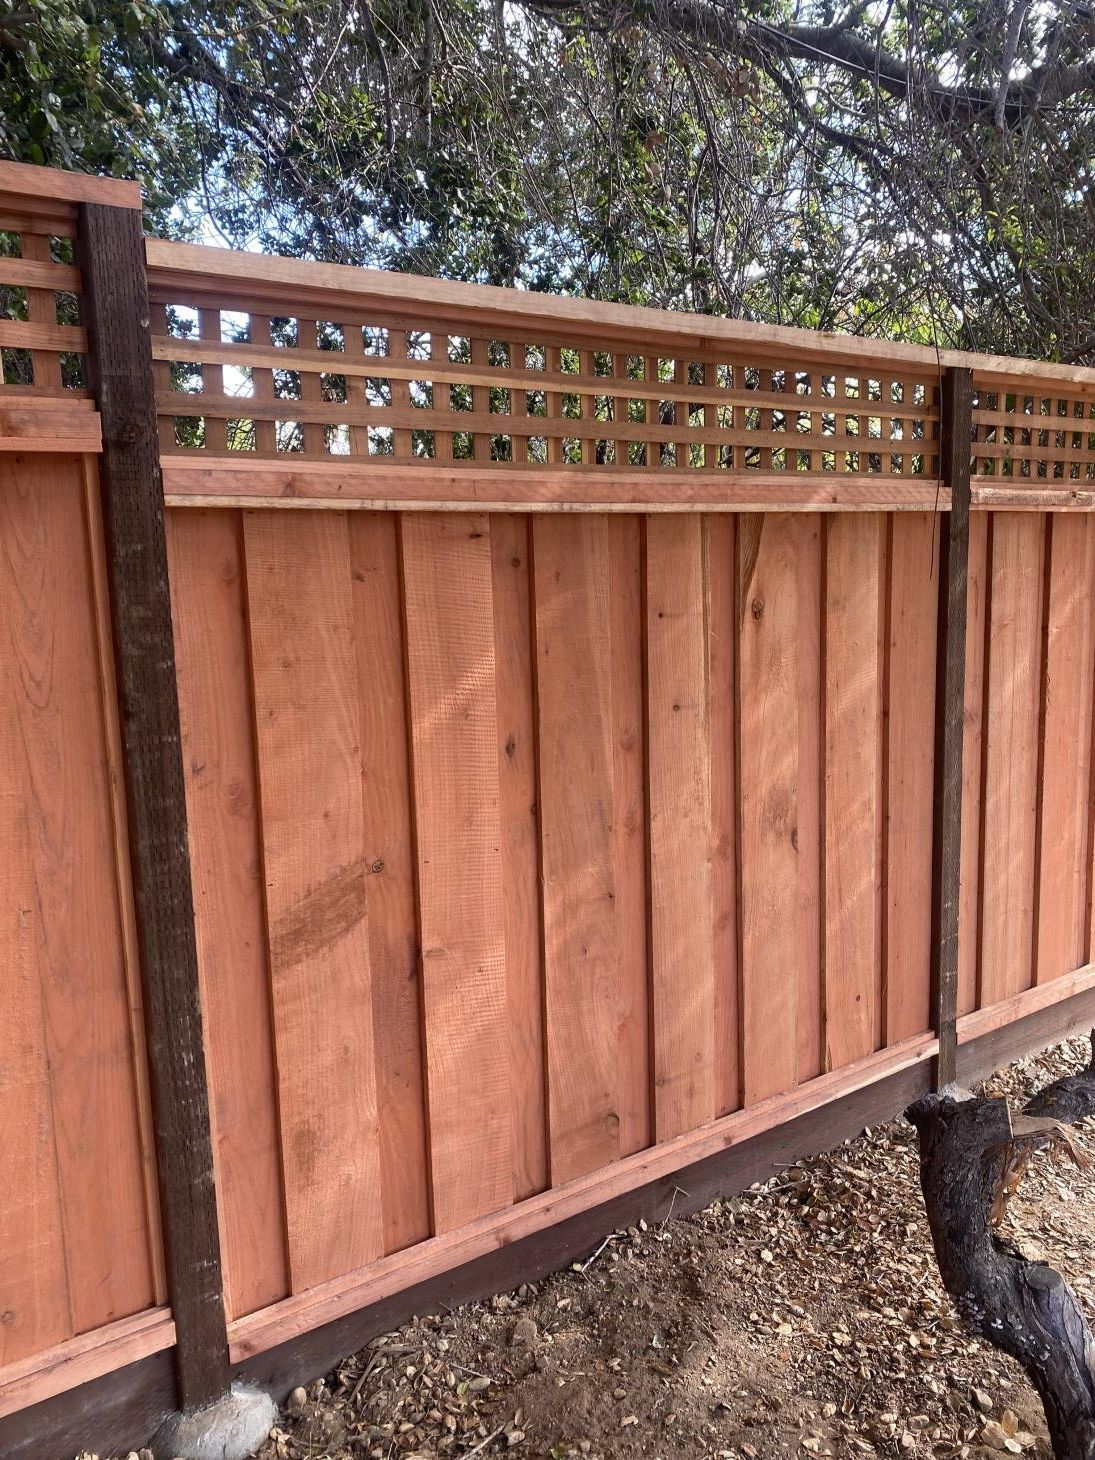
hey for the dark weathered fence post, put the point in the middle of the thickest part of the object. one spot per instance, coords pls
(112, 264)
(955, 450)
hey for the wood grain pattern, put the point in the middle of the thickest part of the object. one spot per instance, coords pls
(1064, 873)
(629, 830)
(69, 953)
(33, 1281)
(810, 1002)
(769, 624)
(852, 779)
(309, 762)
(511, 565)
(123, 880)
(915, 569)
(1011, 755)
(678, 750)
(720, 548)
(394, 961)
(969, 909)
(213, 657)
(454, 730)
(574, 711)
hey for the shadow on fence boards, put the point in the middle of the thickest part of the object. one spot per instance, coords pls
(479, 767)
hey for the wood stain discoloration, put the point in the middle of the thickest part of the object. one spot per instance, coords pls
(322, 916)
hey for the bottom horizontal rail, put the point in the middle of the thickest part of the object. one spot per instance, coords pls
(321, 1305)
(1030, 1001)
(86, 1357)
(293, 1341)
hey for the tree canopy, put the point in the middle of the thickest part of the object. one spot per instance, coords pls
(917, 168)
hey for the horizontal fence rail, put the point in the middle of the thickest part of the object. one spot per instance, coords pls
(567, 695)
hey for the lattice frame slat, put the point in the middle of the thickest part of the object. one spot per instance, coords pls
(421, 392)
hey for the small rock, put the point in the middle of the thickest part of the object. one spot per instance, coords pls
(525, 1333)
(982, 1401)
(297, 1400)
(996, 1438)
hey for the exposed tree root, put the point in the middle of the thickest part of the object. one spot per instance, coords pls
(973, 1153)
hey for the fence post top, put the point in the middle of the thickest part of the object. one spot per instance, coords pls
(45, 186)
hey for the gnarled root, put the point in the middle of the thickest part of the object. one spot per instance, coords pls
(972, 1154)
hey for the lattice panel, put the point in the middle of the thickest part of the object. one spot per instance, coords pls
(1034, 437)
(43, 348)
(272, 387)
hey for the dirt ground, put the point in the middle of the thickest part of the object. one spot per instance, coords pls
(804, 1317)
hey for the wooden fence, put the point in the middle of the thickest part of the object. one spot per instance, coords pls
(613, 745)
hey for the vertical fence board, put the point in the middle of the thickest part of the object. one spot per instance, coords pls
(33, 1280)
(454, 728)
(302, 644)
(1066, 751)
(84, 988)
(678, 749)
(810, 1000)
(914, 601)
(511, 566)
(574, 708)
(720, 547)
(1011, 757)
(852, 771)
(629, 830)
(390, 877)
(213, 660)
(122, 879)
(969, 906)
(769, 620)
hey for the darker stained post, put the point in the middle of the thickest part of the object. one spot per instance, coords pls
(115, 308)
(955, 452)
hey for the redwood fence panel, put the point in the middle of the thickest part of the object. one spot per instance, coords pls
(562, 719)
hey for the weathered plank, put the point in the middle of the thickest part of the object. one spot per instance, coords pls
(115, 308)
(852, 783)
(629, 831)
(1064, 833)
(82, 964)
(678, 751)
(720, 569)
(574, 711)
(309, 772)
(454, 737)
(33, 1280)
(769, 686)
(213, 650)
(969, 903)
(811, 1000)
(915, 569)
(511, 562)
(1013, 670)
(394, 964)
(956, 431)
